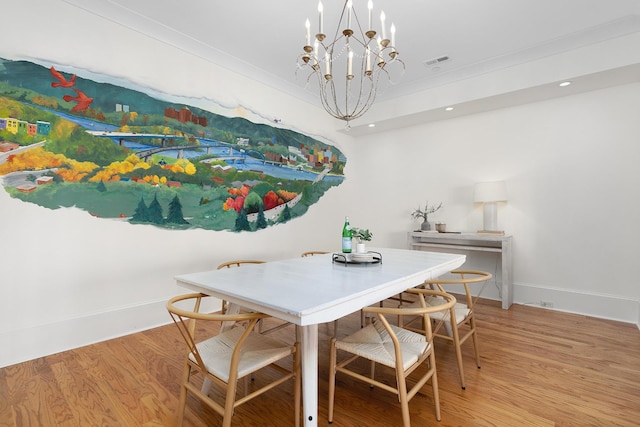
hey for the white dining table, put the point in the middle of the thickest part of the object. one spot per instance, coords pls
(308, 291)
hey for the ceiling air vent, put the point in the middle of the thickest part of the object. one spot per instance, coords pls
(435, 63)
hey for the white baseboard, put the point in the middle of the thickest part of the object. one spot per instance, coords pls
(589, 304)
(570, 301)
(36, 341)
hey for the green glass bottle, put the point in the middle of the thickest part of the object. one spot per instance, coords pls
(346, 236)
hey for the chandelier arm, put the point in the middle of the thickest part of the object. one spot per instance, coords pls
(331, 107)
(363, 107)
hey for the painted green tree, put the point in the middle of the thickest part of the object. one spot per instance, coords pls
(155, 211)
(253, 202)
(175, 212)
(141, 214)
(242, 222)
(261, 222)
(285, 215)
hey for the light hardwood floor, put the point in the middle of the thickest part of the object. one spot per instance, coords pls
(539, 368)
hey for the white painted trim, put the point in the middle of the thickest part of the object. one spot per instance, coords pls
(592, 304)
(598, 305)
(44, 339)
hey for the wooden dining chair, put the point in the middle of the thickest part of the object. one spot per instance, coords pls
(312, 253)
(460, 318)
(238, 263)
(261, 324)
(335, 323)
(233, 354)
(233, 264)
(394, 347)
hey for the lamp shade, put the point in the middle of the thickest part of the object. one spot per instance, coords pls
(486, 192)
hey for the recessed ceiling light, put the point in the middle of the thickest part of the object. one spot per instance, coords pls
(372, 125)
(448, 109)
(563, 84)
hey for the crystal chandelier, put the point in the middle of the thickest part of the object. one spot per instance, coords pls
(348, 68)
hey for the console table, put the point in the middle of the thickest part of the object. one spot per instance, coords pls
(471, 242)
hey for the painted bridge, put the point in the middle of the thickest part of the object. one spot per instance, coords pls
(145, 154)
(121, 136)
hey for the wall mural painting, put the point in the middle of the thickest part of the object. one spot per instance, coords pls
(122, 154)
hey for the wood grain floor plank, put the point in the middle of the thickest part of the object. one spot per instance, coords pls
(539, 368)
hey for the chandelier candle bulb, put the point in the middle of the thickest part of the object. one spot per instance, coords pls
(393, 36)
(327, 60)
(320, 17)
(368, 68)
(349, 7)
(307, 25)
(350, 64)
(384, 30)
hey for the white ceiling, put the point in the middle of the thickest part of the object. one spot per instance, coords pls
(262, 39)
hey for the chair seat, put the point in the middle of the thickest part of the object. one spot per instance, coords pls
(462, 311)
(374, 343)
(258, 351)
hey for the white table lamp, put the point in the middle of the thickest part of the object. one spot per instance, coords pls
(489, 194)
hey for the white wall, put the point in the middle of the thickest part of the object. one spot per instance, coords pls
(69, 279)
(572, 172)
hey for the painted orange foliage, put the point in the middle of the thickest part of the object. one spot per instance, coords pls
(76, 170)
(104, 175)
(287, 195)
(113, 171)
(231, 203)
(270, 199)
(38, 159)
(35, 159)
(70, 175)
(155, 179)
(183, 166)
(242, 191)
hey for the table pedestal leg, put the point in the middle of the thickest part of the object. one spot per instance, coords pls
(309, 348)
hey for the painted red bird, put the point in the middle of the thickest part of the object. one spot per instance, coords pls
(62, 80)
(82, 100)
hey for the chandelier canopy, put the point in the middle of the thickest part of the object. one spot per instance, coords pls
(348, 67)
